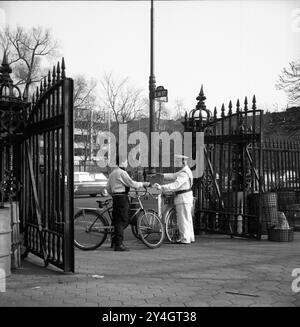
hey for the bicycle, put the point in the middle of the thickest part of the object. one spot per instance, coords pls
(92, 226)
(171, 225)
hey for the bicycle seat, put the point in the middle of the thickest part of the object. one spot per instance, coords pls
(103, 203)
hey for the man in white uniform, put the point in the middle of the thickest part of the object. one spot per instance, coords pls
(118, 185)
(182, 187)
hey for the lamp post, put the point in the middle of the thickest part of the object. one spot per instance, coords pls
(151, 91)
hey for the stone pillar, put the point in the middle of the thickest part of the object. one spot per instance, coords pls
(5, 240)
(15, 237)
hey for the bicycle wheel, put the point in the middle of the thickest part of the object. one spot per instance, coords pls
(89, 229)
(133, 224)
(134, 230)
(172, 230)
(150, 229)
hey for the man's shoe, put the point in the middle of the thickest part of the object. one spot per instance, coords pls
(120, 248)
(180, 242)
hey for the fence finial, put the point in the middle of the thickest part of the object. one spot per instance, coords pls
(58, 71)
(201, 97)
(238, 105)
(246, 104)
(53, 75)
(223, 110)
(215, 113)
(5, 70)
(63, 68)
(254, 102)
(230, 108)
(49, 79)
(41, 87)
(45, 84)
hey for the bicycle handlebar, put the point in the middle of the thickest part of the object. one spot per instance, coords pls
(144, 192)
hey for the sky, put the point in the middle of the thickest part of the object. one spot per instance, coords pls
(234, 48)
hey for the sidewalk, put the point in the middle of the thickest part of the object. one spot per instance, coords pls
(213, 271)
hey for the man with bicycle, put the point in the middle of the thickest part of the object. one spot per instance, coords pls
(119, 183)
(182, 187)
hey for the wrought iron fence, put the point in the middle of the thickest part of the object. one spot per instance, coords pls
(46, 171)
(281, 165)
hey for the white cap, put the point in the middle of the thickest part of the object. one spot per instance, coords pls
(180, 156)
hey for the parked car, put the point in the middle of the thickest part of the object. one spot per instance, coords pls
(90, 184)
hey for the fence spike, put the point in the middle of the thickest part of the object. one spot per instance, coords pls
(45, 84)
(58, 72)
(41, 87)
(33, 99)
(237, 105)
(49, 78)
(201, 97)
(215, 113)
(53, 75)
(223, 110)
(254, 102)
(63, 68)
(246, 104)
(230, 107)
(201, 90)
(37, 93)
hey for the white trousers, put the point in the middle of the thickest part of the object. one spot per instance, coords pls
(185, 222)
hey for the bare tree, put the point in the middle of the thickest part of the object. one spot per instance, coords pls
(179, 109)
(289, 81)
(87, 119)
(26, 50)
(84, 93)
(125, 101)
(162, 112)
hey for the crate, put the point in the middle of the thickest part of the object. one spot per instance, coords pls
(281, 235)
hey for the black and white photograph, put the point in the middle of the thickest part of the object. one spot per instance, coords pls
(149, 157)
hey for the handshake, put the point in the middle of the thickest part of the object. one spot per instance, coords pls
(157, 186)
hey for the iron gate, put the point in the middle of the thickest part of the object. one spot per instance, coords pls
(46, 172)
(233, 168)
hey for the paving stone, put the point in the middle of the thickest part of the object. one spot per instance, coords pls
(205, 271)
(260, 305)
(149, 304)
(283, 304)
(197, 304)
(219, 303)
